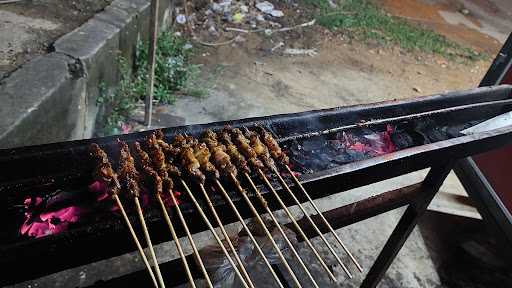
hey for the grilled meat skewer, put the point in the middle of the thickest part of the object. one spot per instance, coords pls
(260, 149)
(244, 146)
(155, 143)
(106, 174)
(131, 177)
(104, 171)
(128, 175)
(146, 165)
(231, 149)
(194, 157)
(275, 150)
(202, 155)
(279, 156)
(219, 156)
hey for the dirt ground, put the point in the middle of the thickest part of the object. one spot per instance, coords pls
(28, 28)
(254, 82)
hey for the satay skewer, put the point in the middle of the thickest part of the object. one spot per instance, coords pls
(263, 152)
(148, 241)
(212, 229)
(249, 233)
(136, 240)
(226, 236)
(147, 165)
(278, 155)
(252, 155)
(296, 225)
(130, 178)
(242, 165)
(176, 240)
(191, 241)
(106, 174)
(278, 226)
(265, 229)
(195, 161)
(223, 164)
(297, 182)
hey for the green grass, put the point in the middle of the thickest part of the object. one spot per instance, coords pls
(174, 75)
(365, 21)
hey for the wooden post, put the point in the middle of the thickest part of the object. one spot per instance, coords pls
(153, 37)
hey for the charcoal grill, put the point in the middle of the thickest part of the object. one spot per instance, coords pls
(435, 120)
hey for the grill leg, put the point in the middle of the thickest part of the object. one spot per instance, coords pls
(408, 221)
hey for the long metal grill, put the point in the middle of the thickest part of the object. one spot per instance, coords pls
(241, 170)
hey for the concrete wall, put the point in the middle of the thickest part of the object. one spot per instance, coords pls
(52, 98)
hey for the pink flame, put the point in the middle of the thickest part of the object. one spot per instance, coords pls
(167, 199)
(376, 144)
(47, 223)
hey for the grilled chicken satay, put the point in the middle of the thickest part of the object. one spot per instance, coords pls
(145, 163)
(128, 175)
(202, 155)
(231, 149)
(157, 156)
(273, 146)
(244, 145)
(104, 171)
(220, 158)
(260, 149)
(162, 163)
(190, 164)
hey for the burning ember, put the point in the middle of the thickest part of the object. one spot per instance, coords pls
(318, 153)
(51, 216)
(47, 221)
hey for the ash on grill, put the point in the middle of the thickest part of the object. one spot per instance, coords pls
(332, 150)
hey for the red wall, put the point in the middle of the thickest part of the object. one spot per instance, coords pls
(496, 166)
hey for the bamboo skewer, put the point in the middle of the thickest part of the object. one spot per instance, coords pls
(226, 236)
(256, 245)
(288, 242)
(287, 188)
(148, 240)
(135, 239)
(176, 241)
(205, 219)
(297, 182)
(267, 232)
(296, 225)
(191, 241)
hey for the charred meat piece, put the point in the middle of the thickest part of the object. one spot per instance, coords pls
(157, 156)
(128, 175)
(273, 146)
(145, 163)
(191, 165)
(190, 141)
(104, 171)
(260, 149)
(236, 157)
(168, 149)
(244, 146)
(219, 157)
(202, 155)
(179, 141)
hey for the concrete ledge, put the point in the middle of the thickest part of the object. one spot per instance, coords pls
(41, 102)
(53, 97)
